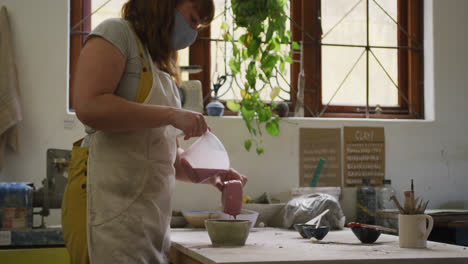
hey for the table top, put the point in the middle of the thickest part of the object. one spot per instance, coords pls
(266, 245)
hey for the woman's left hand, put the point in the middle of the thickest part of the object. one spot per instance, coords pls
(231, 174)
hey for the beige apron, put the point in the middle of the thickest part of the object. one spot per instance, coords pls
(130, 184)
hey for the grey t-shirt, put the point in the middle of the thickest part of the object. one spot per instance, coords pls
(119, 33)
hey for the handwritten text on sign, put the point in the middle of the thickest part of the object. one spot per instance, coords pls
(316, 144)
(364, 155)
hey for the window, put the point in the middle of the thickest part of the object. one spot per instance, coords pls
(361, 58)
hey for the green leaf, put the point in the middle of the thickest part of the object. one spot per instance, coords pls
(276, 44)
(272, 128)
(227, 37)
(224, 26)
(234, 64)
(247, 114)
(233, 105)
(295, 45)
(235, 50)
(262, 78)
(251, 75)
(281, 67)
(242, 39)
(269, 61)
(289, 33)
(264, 114)
(244, 54)
(260, 151)
(269, 33)
(247, 144)
(288, 59)
(253, 47)
(254, 131)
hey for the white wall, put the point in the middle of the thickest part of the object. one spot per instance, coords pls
(432, 152)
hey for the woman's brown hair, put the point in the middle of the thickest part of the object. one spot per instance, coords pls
(153, 21)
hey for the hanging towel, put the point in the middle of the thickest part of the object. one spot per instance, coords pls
(10, 110)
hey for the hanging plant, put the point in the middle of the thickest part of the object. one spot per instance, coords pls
(258, 51)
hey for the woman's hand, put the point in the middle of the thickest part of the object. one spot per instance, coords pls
(193, 124)
(231, 174)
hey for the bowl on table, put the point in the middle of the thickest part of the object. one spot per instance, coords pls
(197, 218)
(300, 228)
(365, 234)
(224, 232)
(317, 232)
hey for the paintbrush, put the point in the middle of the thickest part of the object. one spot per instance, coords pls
(395, 200)
(407, 204)
(424, 209)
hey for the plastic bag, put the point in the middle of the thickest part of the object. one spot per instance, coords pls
(304, 208)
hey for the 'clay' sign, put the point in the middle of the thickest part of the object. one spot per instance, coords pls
(364, 155)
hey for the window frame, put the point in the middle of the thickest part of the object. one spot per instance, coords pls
(410, 63)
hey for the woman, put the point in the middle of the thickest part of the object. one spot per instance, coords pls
(117, 205)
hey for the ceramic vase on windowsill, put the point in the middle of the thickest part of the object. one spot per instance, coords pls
(215, 108)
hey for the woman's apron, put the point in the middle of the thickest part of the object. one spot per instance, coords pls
(130, 182)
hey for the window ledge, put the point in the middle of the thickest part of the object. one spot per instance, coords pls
(335, 119)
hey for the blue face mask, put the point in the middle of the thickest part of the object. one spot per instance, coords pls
(183, 35)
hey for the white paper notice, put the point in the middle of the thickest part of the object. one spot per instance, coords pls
(5, 238)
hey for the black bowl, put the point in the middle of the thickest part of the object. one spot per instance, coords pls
(300, 228)
(318, 232)
(365, 234)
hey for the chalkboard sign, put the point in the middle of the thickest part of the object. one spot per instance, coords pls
(316, 144)
(364, 155)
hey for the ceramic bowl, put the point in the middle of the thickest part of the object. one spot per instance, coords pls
(178, 221)
(300, 228)
(227, 232)
(366, 235)
(197, 218)
(317, 232)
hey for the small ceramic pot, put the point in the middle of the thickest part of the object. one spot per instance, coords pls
(227, 232)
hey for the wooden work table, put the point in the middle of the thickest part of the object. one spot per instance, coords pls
(272, 245)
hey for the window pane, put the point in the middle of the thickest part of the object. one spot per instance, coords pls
(336, 64)
(111, 9)
(221, 53)
(344, 22)
(383, 30)
(382, 91)
(183, 60)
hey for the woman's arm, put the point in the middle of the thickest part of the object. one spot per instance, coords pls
(99, 71)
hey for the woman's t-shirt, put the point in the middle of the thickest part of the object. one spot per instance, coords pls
(119, 33)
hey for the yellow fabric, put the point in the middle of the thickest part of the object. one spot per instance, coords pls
(34, 255)
(146, 79)
(74, 206)
(74, 200)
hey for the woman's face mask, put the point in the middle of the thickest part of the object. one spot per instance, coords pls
(183, 35)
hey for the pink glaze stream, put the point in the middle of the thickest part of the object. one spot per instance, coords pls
(232, 197)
